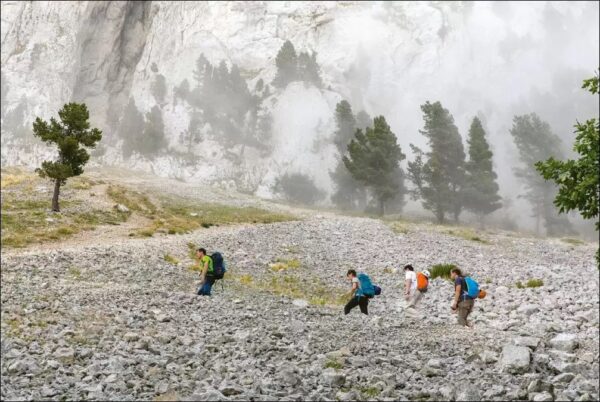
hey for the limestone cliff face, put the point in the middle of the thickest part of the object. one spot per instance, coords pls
(385, 58)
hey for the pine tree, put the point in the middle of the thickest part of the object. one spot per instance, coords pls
(159, 89)
(153, 141)
(536, 142)
(287, 65)
(440, 180)
(578, 180)
(346, 125)
(374, 158)
(70, 135)
(131, 128)
(308, 69)
(182, 91)
(363, 120)
(481, 190)
(298, 187)
(349, 193)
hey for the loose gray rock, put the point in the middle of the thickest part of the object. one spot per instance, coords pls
(564, 342)
(332, 378)
(515, 359)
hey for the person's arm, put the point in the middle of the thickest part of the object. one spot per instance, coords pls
(407, 283)
(204, 271)
(456, 296)
(354, 288)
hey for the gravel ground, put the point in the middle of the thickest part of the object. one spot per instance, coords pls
(115, 321)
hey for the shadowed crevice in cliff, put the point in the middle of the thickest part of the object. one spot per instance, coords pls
(111, 42)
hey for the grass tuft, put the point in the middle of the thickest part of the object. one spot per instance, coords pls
(441, 271)
(334, 364)
(170, 259)
(370, 392)
(571, 240)
(531, 283)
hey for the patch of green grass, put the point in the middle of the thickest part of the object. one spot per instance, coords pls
(334, 364)
(572, 241)
(467, 234)
(26, 219)
(441, 271)
(170, 259)
(245, 279)
(399, 228)
(133, 200)
(531, 283)
(369, 392)
(75, 272)
(283, 265)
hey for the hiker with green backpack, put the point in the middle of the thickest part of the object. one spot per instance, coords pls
(212, 269)
(466, 290)
(362, 290)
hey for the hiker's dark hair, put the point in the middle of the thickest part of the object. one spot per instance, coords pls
(202, 250)
(351, 272)
(409, 267)
(457, 271)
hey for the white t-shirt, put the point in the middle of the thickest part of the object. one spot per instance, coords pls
(412, 277)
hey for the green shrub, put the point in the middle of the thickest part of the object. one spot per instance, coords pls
(370, 392)
(334, 364)
(531, 283)
(170, 259)
(441, 271)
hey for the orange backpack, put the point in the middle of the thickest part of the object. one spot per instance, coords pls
(422, 282)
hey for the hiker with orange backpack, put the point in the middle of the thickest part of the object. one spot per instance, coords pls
(415, 284)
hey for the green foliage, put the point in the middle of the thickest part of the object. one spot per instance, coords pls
(222, 98)
(370, 392)
(441, 271)
(334, 364)
(363, 120)
(131, 128)
(287, 65)
(578, 180)
(153, 141)
(373, 160)
(296, 67)
(308, 69)
(536, 142)
(182, 91)
(439, 180)
(69, 135)
(531, 283)
(298, 187)
(346, 125)
(170, 259)
(481, 190)
(349, 193)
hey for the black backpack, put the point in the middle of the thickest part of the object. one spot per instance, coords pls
(218, 266)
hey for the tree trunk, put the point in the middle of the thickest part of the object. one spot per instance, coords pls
(439, 213)
(381, 208)
(55, 207)
(482, 221)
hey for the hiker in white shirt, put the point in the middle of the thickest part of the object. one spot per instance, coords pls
(414, 286)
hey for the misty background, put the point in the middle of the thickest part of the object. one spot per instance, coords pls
(193, 90)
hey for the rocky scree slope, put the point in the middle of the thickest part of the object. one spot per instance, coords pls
(118, 322)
